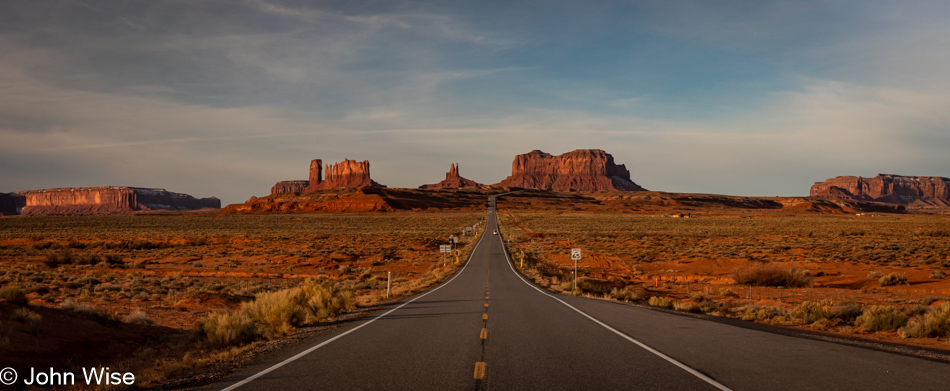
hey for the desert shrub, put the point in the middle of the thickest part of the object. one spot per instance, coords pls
(874, 274)
(225, 329)
(708, 306)
(848, 313)
(661, 302)
(762, 314)
(810, 312)
(893, 279)
(936, 274)
(274, 314)
(773, 276)
(727, 292)
(55, 259)
(326, 300)
(138, 317)
(626, 294)
(881, 318)
(933, 324)
(686, 306)
(14, 295)
(31, 319)
(72, 305)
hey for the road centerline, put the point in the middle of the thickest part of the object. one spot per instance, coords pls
(324, 343)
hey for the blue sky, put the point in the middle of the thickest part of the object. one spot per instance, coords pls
(225, 98)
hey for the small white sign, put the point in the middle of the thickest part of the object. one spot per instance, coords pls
(576, 254)
(468, 229)
(445, 248)
(453, 239)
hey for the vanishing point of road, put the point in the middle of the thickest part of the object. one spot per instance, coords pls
(488, 328)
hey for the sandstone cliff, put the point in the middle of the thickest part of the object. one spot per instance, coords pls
(452, 180)
(348, 173)
(289, 187)
(579, 170)
(887, 188)
(108, 199)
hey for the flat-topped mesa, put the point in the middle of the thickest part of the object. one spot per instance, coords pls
(108, 199)
(578, 170)
(348, 173)
(887, 188)
(452, 180)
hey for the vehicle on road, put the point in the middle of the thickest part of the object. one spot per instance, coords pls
(494, 232)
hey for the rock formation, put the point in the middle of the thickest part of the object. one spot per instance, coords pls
(579, 170)
(107, 199)
(11, 203)
(887, 188)
(289, 187)
(348, 173)
(452, 180)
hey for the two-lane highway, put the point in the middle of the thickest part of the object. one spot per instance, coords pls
(487, 328)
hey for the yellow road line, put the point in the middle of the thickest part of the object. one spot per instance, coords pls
(480, 369)
(484, 316)
(483, 334)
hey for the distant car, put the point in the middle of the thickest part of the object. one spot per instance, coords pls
(494, 232)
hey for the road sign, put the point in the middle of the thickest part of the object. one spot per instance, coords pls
(453, 239)
(468, 229)
(445, 248)
(576, 254)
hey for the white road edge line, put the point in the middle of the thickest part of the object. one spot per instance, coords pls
(672, 360)
(324, 343)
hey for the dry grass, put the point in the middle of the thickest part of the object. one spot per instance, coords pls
(881, 318)
(934, 324)
(772, 275)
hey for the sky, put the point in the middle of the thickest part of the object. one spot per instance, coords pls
(225, 97)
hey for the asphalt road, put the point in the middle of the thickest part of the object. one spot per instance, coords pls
(487, 328)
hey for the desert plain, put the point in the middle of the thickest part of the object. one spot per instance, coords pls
(181, 297)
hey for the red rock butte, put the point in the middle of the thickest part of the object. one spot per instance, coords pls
(348, 173)
(452, 180)
(578, 170)
(887, 188)
(104, 199)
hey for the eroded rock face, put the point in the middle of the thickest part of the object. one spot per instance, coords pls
(289, 187)
(348, 173)
(892, 189)
(108, 199)
(452, 180)
(579, 170)
(11, 203)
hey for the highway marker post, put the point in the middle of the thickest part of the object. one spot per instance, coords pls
(576, 256)
(389, 280)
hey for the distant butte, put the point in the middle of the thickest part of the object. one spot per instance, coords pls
(345, 174)
(452, 180)
(579, 170)
(104, 199)
(887, 188)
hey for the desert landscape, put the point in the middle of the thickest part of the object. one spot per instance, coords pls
(176, 296)
(136, 290)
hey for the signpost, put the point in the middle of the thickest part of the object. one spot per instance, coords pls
(576, 256)
(444, 249)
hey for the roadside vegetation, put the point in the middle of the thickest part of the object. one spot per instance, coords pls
(854, 275)
(202, 288)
